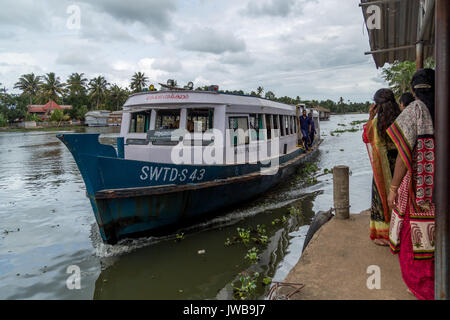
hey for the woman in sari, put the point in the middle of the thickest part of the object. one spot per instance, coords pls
(412, 223)
(382, 154)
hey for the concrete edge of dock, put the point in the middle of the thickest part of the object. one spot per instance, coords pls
(341, 263)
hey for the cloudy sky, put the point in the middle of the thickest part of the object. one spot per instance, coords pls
(308, 48)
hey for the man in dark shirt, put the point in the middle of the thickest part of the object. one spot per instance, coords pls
(312, 129)
(304, 127)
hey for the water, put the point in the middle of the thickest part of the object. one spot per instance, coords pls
(47, 225)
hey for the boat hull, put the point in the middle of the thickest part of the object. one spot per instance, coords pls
(127, 206)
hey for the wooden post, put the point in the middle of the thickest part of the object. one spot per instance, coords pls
(341, 192)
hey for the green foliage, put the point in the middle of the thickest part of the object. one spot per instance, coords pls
(246, 287)
(399, 74)
(179, 237)
(252, 255)
(267, 281)
(57, 115)
(227, 242)
(3, 122)
(244, 235)
(293, 211)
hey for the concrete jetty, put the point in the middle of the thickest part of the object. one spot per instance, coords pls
(335, 265)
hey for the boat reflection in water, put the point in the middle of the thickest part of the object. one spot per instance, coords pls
(148, 274)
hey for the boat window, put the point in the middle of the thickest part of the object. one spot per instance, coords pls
(236, 123)
(269, 126)
(256, 124)
(295, 125)
(291, 119)
(276, 125)
(140, 122)
(205, 116)
(282, 130)
(286, 125)
(167, 119)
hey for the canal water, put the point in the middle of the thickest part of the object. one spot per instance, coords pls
(47, 227)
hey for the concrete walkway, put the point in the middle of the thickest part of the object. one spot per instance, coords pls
(334, 265)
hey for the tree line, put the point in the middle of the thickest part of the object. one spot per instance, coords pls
(98, 94)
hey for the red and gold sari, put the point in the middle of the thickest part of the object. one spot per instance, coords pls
(412, 224)
(382, 156)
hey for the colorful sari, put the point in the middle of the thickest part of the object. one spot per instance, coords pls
(412, 229)
(382, 156)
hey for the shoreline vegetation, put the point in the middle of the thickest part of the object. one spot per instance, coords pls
(98, 94)
(85, 95)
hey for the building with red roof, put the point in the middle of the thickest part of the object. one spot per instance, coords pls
(44, 111)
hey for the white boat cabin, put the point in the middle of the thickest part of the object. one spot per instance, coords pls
(150, 119)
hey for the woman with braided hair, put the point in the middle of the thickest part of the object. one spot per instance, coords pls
(411, 192)
(382, 154)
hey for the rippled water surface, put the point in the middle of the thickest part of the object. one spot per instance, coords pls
(47, 225)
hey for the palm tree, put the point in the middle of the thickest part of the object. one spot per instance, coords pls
(76, 83)
(259, 91)
(98, 88)
(52, 87)
(29, 84)
(138, 81)
(117, 95)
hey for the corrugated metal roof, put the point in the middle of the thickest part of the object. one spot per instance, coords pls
(399, 28)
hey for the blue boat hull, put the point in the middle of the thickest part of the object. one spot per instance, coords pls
(134, 198)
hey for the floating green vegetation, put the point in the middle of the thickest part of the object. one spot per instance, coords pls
(263, 239)
(341, 124)
(293, 211)
(261, 229)
(267, 281)
(244, 235)
(228, 242)
(340, 131)
(252, 255)
(284, 219)
(276, 221)
(327, 171)
(246, 287)
(179, 237)
(357, 122)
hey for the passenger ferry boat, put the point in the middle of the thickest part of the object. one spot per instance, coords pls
(184, 155)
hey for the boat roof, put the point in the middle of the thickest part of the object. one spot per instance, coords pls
(171, 98)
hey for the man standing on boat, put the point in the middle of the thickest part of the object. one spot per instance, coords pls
(312, 129)
(305, 125)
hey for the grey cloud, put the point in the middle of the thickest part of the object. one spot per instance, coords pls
(276, 8)
(212, 41)
(239, 58)
(169, 65)
(152, 13)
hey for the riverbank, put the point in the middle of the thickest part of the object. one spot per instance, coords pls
(61, 128)
(335, 263)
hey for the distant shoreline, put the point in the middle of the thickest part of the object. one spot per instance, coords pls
(61, 128)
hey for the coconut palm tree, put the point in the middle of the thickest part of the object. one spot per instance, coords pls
(76, 84)
(138, 81)
(98, 88)
(29, 84)
(259, 91)
(118, 95)
(52, 87)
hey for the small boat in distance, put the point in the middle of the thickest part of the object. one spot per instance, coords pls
(185, 155)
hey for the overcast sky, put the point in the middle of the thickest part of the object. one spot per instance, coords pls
(308, 48)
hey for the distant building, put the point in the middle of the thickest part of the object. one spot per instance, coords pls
(97, 118)
(115, 118)
(44, 111)
(324, 114)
